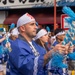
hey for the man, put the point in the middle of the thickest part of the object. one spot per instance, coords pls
(60, 35)
(14, 34)
(27, 57)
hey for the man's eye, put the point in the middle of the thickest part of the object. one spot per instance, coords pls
(32, 24)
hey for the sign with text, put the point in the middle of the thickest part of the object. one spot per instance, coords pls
(64, 23)
(10, 4)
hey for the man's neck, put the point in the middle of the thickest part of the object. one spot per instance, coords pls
(27, 38)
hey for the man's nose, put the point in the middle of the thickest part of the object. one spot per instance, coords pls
(36, 26)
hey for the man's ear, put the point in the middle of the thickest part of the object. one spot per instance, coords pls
(22, 28)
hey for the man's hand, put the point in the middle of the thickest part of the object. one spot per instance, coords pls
(63, 49)
(70, 50)
(7, 45)
(60, 48)
(67, 47)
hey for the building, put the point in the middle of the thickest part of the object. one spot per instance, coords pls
(42, 10)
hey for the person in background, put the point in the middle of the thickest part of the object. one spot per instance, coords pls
(1, 55)
(14, 34)
(3, 52)
(53, 37)
(48, 44)
(60, 35)
(42, 38)
(57, 26)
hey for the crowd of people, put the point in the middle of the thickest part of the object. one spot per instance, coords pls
(30, 50)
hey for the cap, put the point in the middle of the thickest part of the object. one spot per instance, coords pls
(26, 18)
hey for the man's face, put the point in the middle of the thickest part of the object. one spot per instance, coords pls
(14, 37)
(30, 29)
(61, 37)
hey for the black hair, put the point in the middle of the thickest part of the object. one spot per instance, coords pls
(58, 30)
(38, 30)
(52, 32)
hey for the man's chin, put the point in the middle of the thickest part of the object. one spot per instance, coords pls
(34, 36)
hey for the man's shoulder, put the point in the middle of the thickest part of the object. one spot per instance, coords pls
(19, 46)
(55, 43)
(19, 43)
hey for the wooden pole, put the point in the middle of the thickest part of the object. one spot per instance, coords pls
(54, 14)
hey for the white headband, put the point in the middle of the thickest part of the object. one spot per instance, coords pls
(41, 33)
(53, 37)
(60, 33)
(26, 18)
(15, 31)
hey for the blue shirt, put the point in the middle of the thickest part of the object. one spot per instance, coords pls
(55, 43)
(21, 58)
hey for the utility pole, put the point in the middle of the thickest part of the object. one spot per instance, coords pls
(54, 14)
